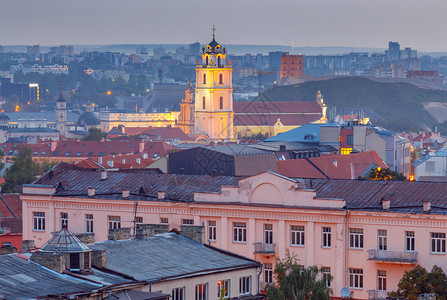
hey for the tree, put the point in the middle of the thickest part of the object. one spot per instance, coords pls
(419, 281)
(94, 134)
(297, 283)
(384, 174)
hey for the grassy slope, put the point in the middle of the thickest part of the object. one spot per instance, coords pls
(399, 104)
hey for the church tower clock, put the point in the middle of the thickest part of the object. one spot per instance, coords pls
(214, 94)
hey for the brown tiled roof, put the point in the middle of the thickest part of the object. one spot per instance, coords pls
(166, 133)
(333, 166)
(11, 212)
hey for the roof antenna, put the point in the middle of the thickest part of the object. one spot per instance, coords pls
(214, 31)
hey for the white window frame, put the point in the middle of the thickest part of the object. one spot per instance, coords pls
(114, 222)
(382, 241)
(202, 291)
(212, 231)
(226, 285)
(355, 238)
(64, 219)
(89, 223)
(410, 241)
(326, 237)
(437, 242)
(239, 232)
(38, 221)
(381, 280)
(268, 233)
(138, 221)
(356, 278)
(245, 285)
(268, 273)
(178, 293)
(164, 221)
(327, 274)
(188, 222)
(297, 235)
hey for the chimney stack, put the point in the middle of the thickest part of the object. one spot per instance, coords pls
(427, 206)
(126, 193)
(91, 191)
(161, 195)
(386, 204)
(103, 174)
(141, 147)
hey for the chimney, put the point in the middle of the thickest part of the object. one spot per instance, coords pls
(161, 195)
(214, 172)
(53, 145)
(352, 171)
(99, 259)
(141, 148)
(110, 163)
(100, 160)
(104, 174)
(427, 206)
(145, 155)
(386, 204)
(138, 160)
(126, 193)
(182, 170)
(91, 191)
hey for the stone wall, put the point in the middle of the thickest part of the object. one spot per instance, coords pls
(119, 234)
(99, 258)
(145, 230)
(86, 238)
(53, 261)
(27, 246)
(194, 232)
(8, 249)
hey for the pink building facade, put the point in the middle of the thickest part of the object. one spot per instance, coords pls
(364, 233)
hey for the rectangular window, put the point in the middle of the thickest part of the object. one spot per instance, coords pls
(382, 240)
(345, 151)
(187, 222)
(381, 280)
(64, 220)
(326, 237)
(239, 232)
(212, 229)
(409, 241)
(356, 278)
(438, 242)
(297, 235)
(39, 221)
(268, 273)
(138, 221)
(164, 221)
(202, 291)
(114, 222)
(268, 233)
(89, 223)
(327, 276)
(223, 288)
(178, 294)
(244, 285)
(355, 238)
(350, 140)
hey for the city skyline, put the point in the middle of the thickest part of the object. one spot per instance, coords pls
(323, 23)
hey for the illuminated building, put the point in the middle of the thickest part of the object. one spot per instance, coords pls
(214, 94)
(186, 117)
(291, 66)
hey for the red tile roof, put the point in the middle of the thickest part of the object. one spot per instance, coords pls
(128, 161)
(14, 238)
(332, 166)
(166, 133)
(11, 213)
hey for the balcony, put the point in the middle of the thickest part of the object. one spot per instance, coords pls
(393, 256)
(264, 248)
(376, 295)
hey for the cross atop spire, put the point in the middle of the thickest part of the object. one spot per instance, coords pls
(214, 31)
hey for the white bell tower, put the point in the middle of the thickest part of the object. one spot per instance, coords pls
(214, 94)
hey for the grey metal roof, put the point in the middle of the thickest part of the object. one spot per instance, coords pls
(50, 116)
(168, 256)
(24, 279)
(64, 241)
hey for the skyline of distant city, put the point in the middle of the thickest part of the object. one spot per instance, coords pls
(322, 23)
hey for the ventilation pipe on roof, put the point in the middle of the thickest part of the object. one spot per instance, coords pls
(161, 195)
(100, 160)
(103, 174)
(352, 171)
(386, 204)
(126, 193)
(427, 206)
(141, 147)
(91, 191)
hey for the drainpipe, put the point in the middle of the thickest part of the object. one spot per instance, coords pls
(348, 212)
(259, 280)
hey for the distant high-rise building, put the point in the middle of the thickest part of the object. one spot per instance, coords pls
(408, 53)
(27, 92)
(141, 50)
(194, 48)
(2, 49)
(33, 52)
(63, 50)
(275, 59)
(291, 66)
(393, 52)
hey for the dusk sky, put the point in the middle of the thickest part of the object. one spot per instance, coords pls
(420, 24)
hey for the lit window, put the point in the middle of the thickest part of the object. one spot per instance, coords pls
(268, 273)
(212, 230)
(268, 233)
(326, 237)
(438, 242)
(239, 232)
(202, 291)
(244, 285)
(409, 241)
(178, 294)
(381, 280)
(297, 235)
(223, 288)
(382, 240)
(356, 278)
(187, 222)
(89, 223)
(356, 238)
(39, 221)
(345, 151)
(64, 220)
(114, 222)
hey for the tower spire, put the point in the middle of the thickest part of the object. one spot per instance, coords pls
(214, 31)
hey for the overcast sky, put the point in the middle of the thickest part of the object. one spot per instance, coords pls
(420, 24)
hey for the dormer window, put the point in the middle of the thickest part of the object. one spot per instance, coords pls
(309, 137)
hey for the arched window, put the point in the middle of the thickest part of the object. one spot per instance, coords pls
(203, 102)
(204, 78)
(221, 102)
(207, 60)
(220, 79)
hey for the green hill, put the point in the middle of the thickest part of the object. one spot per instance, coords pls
(396, 106)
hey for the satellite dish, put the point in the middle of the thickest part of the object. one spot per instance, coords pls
(345, 292)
